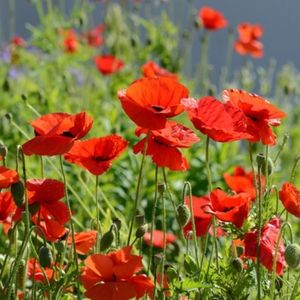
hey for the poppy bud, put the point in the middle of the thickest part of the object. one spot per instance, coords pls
(107, 239)
(184, 214)
(270, 167)
(45, 257)
(237, 264)
(140, 232)
(292, 255)
(59, 246)
(6, 85)
(11, 235)
(117, 223)
(140, 220)
(3, 150)
(17, 190)
(260, 160)
(161, 187)
(21, 273)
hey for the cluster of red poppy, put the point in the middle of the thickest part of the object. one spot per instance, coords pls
(249, 35)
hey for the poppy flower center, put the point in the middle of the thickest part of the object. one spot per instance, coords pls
(157, 108)
(67, 134)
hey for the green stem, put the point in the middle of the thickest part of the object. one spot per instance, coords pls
(293, 173)
(98, 216)
(164, 228)
(285, 224)
(209, 179)
(188, 185)
(259, 225)
(294, 291)
(285, 138)
(138, 188)
(153, 221)
(71, 221)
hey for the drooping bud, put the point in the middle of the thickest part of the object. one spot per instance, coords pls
(117, 223)
(292, 255)
(107, 239)
(3, 150)
(140, 220)
(45, 257)
(184, 214)
(59, 246)
(237, 264)
(17, 191)
(141, 230)
(161, 187)
(260, 160)
(172, 273)
(270, 167)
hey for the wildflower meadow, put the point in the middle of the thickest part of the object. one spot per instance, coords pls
(131, 169)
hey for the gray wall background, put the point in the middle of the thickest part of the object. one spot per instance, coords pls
(280, 19)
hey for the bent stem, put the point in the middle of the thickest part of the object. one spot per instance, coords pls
(209, 179)
(138, 188)
(293, 173)
(71, 221)
(153, 221)
(284, 225)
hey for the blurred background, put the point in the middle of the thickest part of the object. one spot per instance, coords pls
(280, 20)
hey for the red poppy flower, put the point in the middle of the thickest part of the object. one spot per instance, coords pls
(242, 181)
(97, 154)
(17, 41)
(248, 42)
(158, 238)
(163, 144)
(150, 101)
(269, 237)
(151, 69)
(201, 217)
(7, 177)
(84, 241)
(108, 64)
(113, 276)
(234, 209)
(70, 40)
(290, 198)
(94, 36)
(56, 133)
(46, 209)
(260, 113)
(212, 19)
(7, 210)
(34, 271)
(221, 122)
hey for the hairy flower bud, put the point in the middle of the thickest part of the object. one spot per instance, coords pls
(292, 255)
(107, 240)
(140, 220)
(237, 264)
(140, 232)
(184, 214)
(45, 257)
(17, 191)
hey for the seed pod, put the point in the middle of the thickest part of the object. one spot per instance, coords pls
(292, 255)
(140, 232)
(237, 264)
(140, 220)
(184, 214)
(17, 190)
(107, 239)
(45, 257)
